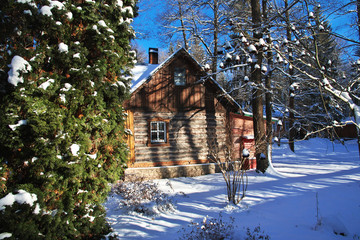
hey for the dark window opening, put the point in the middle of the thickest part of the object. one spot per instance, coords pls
(180, 76)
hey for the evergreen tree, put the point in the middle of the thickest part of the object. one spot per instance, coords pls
(63, 71)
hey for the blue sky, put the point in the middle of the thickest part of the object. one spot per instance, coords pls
(147, 25)
(148, 28)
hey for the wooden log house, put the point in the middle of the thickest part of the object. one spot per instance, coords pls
(176, 112)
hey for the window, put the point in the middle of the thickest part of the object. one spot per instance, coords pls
(180, 76)
(158, 132)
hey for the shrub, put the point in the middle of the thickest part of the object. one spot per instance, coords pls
(142, 197)
(232, 168)
(209, 229)
(256, 234)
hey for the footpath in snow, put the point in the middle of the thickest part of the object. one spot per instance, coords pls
(311, 194)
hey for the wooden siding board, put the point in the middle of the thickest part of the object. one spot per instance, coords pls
(160, 93)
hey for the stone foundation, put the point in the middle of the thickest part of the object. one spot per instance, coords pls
(173, 171)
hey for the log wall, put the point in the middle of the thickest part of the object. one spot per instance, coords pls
(190, 136)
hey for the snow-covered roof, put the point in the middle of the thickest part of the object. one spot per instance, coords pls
(142, 72)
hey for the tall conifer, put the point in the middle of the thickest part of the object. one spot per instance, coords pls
(63, 68)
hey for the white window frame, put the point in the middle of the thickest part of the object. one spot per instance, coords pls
(157, 131)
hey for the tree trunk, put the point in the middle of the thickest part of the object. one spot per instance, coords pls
(292, 132)
(268, 94)
(257, 93)
(183, 27)
(216, 32)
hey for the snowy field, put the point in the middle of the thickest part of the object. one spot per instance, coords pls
(310, 194)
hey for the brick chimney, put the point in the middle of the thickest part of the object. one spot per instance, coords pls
(153, 56)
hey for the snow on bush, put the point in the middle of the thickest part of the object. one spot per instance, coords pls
(75, 149)
(21, 197)
(46, 84)
(17, 66)
(63, 47)
(5, 235)
(19, 123)
(142, 197)
(209, 229)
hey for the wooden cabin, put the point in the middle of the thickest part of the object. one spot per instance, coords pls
(176, 112)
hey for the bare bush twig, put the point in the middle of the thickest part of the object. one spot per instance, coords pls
(142, 197)
(232, 169)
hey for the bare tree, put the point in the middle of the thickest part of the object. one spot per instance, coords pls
(314, 62)
(199, 23)
(176, 19)
(303, 50)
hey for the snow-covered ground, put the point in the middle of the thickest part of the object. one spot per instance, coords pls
(321, 178)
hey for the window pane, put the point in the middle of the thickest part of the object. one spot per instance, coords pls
(153, 126)
(154, 136)
(179, 76)
(162, 136)
(161, 126)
